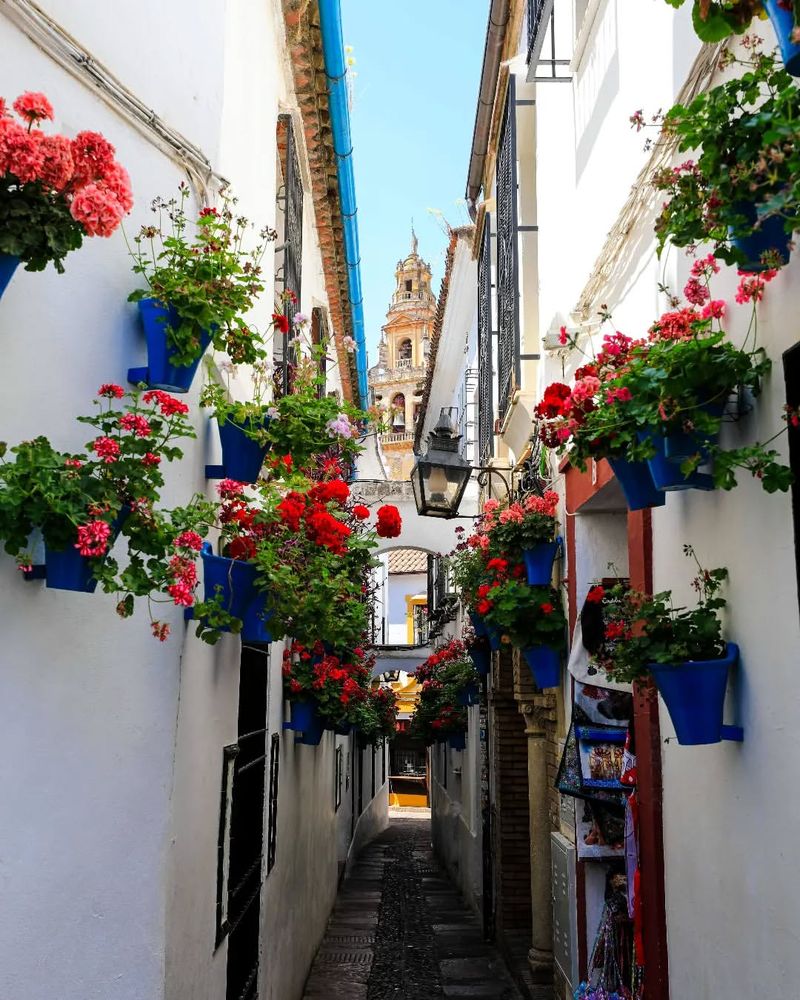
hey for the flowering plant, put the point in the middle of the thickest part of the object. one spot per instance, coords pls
(54, 190)
(749, 164)
(207, 277)
(307, 423)
(521, 525)
(251, 416)
(337, 684)
(716, 19)
(437, 714)
(528, 616)
(467, 565)
(679, 380)
(640, 629)
(376, 715)
(82, 499)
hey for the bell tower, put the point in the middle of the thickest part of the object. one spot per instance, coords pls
(397, 379)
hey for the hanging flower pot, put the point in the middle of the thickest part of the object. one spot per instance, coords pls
(255, 629)
(637, 484)
(782, 21)
(545, 665)
(768, 237)
(539, 562)
(242, 456)
(694, 693)
(161, 371)
(482, 660)
(67, 569)
(8, 265)
(457, 741)
(478, 624)
(303, 715)
(232, 580)
(667, 475)
(680, 446)
(470, 695)
(494, 637)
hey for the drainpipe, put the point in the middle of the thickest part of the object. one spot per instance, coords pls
(499, 16)
(330, 19)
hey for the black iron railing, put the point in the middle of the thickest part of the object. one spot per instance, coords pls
(507, 259)
(485, 370)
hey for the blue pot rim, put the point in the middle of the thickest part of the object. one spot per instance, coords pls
(730, 657)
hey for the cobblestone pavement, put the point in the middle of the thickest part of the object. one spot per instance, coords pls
(400, 930)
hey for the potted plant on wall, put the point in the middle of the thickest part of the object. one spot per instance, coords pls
(681, 648)
(527, 528)
(742, 193)
(200, 285)
(242, 425)
(533, 620)
(81, 501)
(53, 190)
(716, 19)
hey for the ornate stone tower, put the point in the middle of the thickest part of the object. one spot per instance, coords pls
(396, 380)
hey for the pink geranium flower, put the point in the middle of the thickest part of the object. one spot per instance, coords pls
(33, 107)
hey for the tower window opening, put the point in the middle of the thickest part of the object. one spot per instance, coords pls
(409, 285)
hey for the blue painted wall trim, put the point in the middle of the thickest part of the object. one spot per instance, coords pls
(330, 16)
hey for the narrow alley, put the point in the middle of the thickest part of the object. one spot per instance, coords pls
(401, 931)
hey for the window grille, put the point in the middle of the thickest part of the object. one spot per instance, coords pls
(507, 259)
(485, 371)
(292, 198)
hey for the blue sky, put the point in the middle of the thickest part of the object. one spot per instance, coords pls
(417, 66)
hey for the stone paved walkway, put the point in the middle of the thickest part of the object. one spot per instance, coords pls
(400, 931)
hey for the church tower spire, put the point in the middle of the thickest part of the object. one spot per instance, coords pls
(396, 381)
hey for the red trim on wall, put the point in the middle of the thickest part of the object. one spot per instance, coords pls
(649, 788)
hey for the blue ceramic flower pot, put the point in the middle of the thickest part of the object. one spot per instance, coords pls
(303, 715)
(8, 265)
(470, 695)
(69, 570)
(161, 372)
(667, 475)
(494, 637)
(769, 236)
(783, 24)
(545, 665)
(313, 736)
(637, 484)
(694, 693)
(230, 579)
(457, 741)
(242, 457)
(478, 624)
(482, 660)
(680, 446)
(255, 629)
(539, 562)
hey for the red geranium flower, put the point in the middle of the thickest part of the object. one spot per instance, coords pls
(389, 521)
(280, 322)
(361, 512)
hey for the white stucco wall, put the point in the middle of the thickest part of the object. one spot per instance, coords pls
(112, 742)
(732, 913)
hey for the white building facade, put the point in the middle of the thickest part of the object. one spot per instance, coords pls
(123, 843)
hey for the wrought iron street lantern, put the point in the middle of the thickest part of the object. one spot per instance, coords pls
(441, 475)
